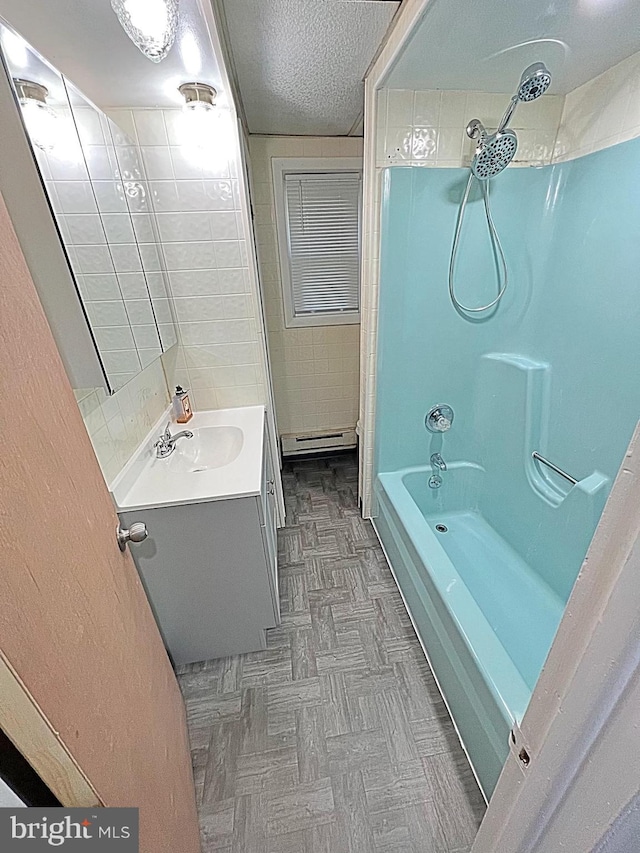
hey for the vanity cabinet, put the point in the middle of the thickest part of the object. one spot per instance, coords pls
(210, 571)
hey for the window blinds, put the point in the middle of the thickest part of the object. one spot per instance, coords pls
(323, 241)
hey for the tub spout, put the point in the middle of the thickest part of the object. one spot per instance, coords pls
(438, 463)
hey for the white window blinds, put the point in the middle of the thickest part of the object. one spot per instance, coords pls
(323, 242)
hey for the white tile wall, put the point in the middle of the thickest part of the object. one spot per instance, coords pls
(315, 369)
(196, 197)
(602, 112)
(118, 424)
(100, 240)
(199, 221)
(427, 128)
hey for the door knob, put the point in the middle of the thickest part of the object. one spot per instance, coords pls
(136, 533)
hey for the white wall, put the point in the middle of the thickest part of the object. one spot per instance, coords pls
(602, 112)
(315, 369)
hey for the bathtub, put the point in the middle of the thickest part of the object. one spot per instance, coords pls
(485, 618)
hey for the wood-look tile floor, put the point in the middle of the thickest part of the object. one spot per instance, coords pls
(334, 739)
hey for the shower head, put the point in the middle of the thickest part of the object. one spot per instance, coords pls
(494, 153)
(534, 82)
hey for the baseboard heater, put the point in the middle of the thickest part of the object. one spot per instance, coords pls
(318, 442)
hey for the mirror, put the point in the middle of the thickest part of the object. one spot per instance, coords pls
(97, 189)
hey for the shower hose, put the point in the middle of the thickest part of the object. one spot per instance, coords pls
(495, 240)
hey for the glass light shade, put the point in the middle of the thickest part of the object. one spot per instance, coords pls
(200, 119)
(41, 122)
(150, 24)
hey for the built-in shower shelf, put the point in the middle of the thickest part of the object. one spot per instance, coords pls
(519, 387)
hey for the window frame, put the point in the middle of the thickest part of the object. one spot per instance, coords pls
(282, 166)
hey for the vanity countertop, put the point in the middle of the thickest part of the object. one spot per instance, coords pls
(222, 460)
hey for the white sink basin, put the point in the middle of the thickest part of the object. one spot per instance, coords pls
(222, 460)
(210, 447)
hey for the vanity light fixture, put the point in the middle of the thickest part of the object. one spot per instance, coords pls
(198, 97)
(150, 24)
(40, 119)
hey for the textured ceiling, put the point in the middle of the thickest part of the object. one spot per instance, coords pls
(485, 44)
(300, 63)
(84, 40)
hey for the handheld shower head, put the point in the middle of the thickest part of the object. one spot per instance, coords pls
(534, 82)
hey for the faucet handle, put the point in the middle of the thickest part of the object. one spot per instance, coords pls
(164, 437)
(439, 418)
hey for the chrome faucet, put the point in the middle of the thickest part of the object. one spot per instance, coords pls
(166, 444)
(438, 463)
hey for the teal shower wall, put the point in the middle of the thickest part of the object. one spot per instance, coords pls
(553, 368)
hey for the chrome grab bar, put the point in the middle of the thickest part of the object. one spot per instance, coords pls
(536, 455)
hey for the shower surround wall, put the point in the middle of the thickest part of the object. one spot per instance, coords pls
(603, 112)
(426, 128)
(539, 373)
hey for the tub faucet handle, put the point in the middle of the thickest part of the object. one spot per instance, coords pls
(439, 419)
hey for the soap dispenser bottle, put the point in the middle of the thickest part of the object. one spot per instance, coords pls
(182, 406)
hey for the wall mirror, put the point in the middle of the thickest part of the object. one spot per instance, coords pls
(95, 182)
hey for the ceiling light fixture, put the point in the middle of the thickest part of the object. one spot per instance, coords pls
(198, 97)
(200, 112)
(150, 24)
(202, 126)
(40, 119)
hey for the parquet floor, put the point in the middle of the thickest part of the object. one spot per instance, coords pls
(335, 738)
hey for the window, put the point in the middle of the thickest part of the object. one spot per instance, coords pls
(318, 217)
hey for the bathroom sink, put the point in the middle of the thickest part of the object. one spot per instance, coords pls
(222, 460)
(210, 447)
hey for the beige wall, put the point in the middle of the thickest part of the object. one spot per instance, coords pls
(602, 112)
(314, 369)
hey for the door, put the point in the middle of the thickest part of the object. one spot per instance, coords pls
(88, 693)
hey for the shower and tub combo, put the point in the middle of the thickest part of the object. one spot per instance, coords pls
(487, 504)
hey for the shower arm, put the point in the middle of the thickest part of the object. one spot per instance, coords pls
(508, 115)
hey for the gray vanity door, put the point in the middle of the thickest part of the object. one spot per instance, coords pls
(268, 512)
